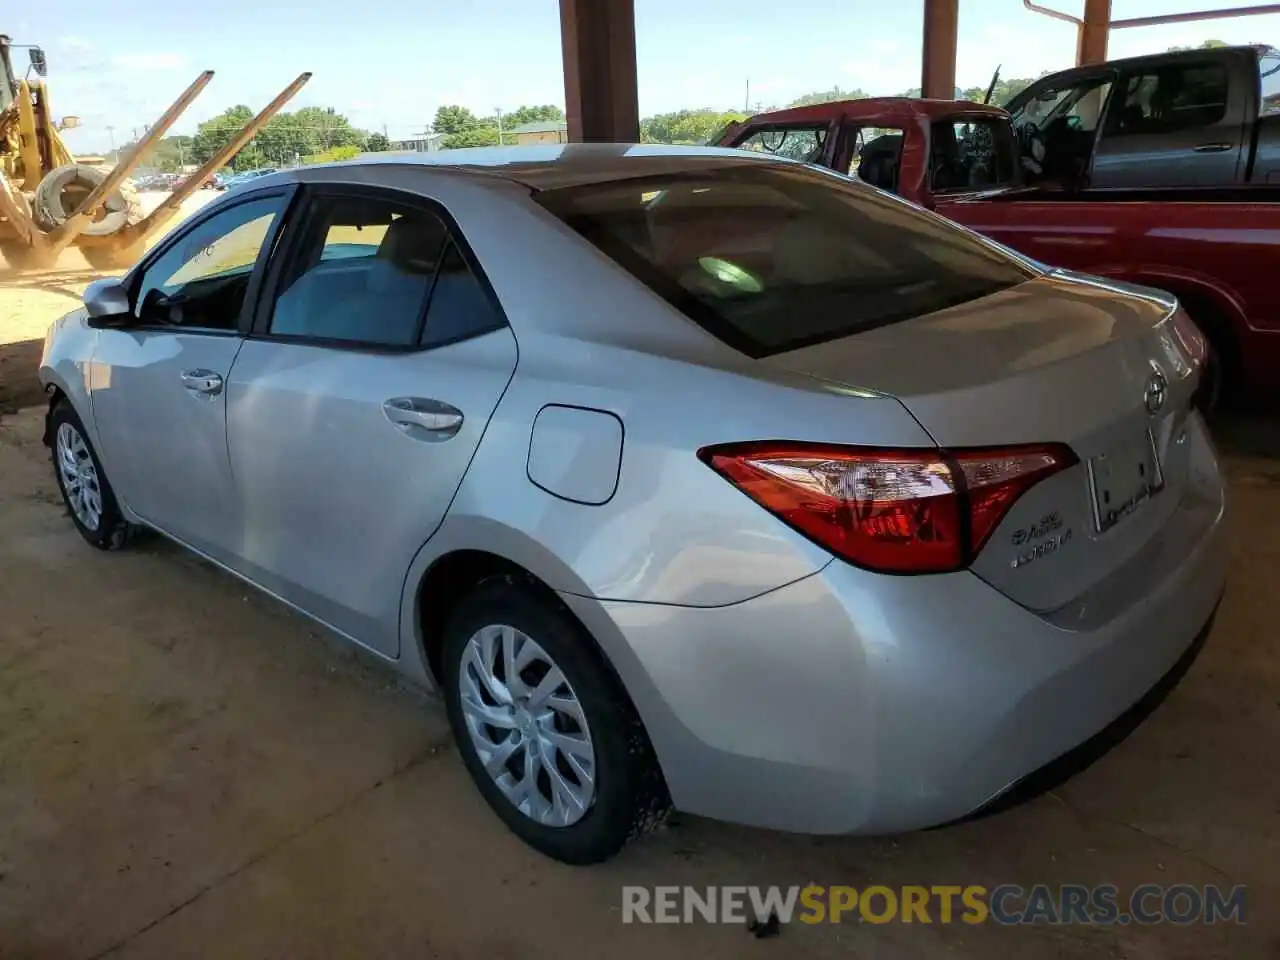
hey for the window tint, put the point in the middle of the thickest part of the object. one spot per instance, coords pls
(201, 281)
(362, 273)
(460, 305)
(1170, 99)
(795, 143)
(971, 155)
(772, 259)
(1269, 71)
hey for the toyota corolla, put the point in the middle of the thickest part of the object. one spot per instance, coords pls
(687, 477)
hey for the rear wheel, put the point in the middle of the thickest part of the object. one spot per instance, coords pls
(545, 728)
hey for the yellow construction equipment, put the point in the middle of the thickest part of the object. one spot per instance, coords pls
(49, 200)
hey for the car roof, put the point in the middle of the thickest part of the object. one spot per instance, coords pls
(877, 108)
(550, 166)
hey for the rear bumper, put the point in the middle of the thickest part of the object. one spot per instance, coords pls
(852, 702)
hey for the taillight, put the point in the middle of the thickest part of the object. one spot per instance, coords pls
(895, 511)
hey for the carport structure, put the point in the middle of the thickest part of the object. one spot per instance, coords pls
(598, 38)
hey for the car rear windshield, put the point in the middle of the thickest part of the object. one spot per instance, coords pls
(772, 257)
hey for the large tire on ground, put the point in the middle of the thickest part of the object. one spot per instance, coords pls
(544, 726)
(88, 496)
(113, 258)
(64, 188)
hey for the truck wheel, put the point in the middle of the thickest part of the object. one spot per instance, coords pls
(64, 188)
(113, 258)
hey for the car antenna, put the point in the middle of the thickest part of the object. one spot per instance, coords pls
(995, 78)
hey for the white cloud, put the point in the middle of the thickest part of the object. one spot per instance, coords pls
(158, 60)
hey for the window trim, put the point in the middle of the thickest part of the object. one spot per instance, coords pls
(248, 308)
(260, 327)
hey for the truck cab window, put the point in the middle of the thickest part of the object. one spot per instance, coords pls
(1057, 127)
(1168, 99)
(971, 154)
(806, 144)
(1269, 72)
(876, 153)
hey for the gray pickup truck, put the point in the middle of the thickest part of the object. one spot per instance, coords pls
(1193, 118)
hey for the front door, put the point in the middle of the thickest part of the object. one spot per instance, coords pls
(158, 384)
(355, 410)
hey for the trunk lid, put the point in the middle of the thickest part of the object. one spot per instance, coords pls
(1063, 358)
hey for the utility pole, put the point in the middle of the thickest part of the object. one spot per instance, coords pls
(746, 101)
(499, 109)
(111, 132)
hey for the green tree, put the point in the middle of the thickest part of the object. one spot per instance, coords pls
(1005, 90)
(1207, 45)
(453, 119)
(827, 96)
(534, 114)
(484, 134)
(377, 143)
(686, 126)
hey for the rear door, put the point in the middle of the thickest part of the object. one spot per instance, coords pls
(1179, 124)
(353, 411)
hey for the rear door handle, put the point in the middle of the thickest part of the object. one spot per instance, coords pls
(1213, 147)
(202, 381)
(423, 418)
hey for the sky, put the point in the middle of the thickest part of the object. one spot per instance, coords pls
(387, 64)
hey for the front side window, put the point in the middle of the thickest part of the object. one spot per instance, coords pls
(975, 154)
(1169, 99)
(379, 272)
(771, 258)
(807, 144)
(201, 280)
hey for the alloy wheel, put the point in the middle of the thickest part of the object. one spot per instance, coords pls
(527, 726)
(79, 476)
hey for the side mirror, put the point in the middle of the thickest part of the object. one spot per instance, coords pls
(107, 303)
(39, 62)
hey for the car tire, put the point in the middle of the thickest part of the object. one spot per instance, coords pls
(83, 483)
(628, 796)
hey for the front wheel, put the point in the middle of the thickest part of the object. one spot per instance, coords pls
(88, 496)
(544, 727)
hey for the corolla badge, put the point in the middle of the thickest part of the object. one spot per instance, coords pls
(1157, 392)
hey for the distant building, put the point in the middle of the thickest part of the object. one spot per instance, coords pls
(426, 143)
(540, 131)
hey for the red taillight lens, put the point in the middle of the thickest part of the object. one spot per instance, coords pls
(896, 511)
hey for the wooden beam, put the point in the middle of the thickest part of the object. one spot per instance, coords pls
(62, 235)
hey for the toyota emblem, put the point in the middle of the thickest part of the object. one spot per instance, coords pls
(1157, 391)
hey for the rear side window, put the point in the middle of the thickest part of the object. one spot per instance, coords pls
(770, 258)
(1171, 98)
(975, 154)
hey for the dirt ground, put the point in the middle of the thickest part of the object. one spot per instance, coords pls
(189, 770)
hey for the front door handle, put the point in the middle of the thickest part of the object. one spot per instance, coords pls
(423, 418)
(202, 381)
(1213, 147)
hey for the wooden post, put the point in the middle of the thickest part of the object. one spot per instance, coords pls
(598, 40)
(938, 57)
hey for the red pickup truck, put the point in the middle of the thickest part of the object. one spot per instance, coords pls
(1213, 247)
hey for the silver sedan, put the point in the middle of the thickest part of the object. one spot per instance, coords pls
(687, 477)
